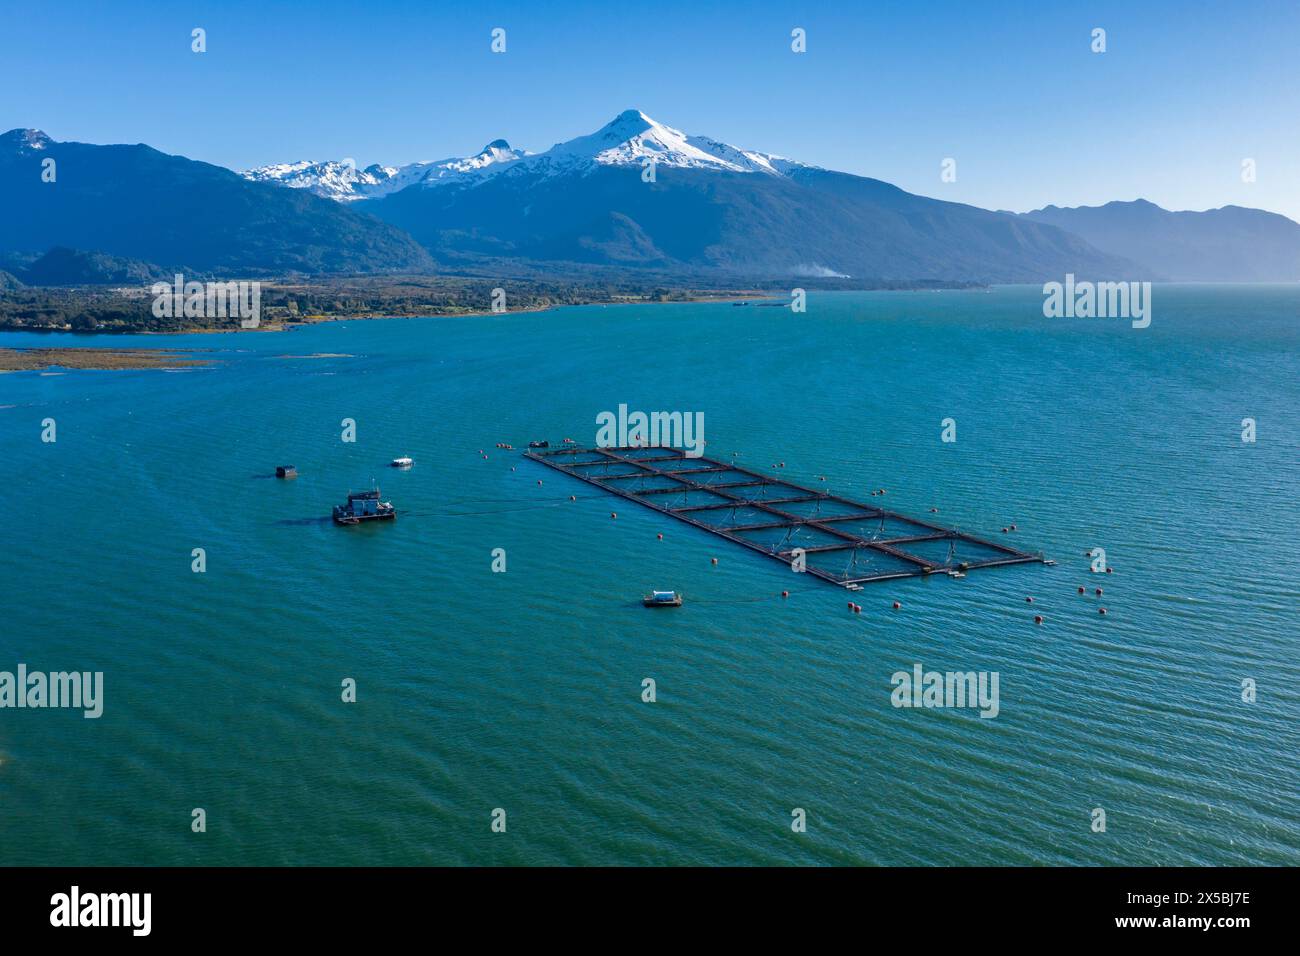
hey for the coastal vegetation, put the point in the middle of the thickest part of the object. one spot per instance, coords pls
(290, 301)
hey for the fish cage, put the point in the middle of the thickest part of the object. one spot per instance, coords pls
(834, 538)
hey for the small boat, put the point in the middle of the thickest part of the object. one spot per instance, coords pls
(662, 599)
(364, 506)
(539, 444)
(402, 462)
(286, 471)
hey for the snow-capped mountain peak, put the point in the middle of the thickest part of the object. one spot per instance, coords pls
(333, 179)
(25, 139)
(633, 138)
(630, 139)
(342, 181)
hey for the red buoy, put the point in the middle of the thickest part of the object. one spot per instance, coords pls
(1004, 530)
(539, 481)
(573, 497)
(1013, 527)
(785, 594)
(713, 560)
(1080, 589)
(1029, 600)
(857, 609)
(897, 605)
(850, 605)
(661, 537)
(1110, 570)
(613, 514)
(1098, 592)
(1038, 619)
(1101, 610)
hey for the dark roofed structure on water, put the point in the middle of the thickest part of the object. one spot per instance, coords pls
(364, 506)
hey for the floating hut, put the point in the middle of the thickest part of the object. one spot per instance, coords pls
(662, 599)
(364, 506)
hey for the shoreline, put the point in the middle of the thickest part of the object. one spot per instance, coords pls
(288, 304)
(321, 319)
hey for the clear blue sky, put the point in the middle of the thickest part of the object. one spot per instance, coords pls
(1185, 91)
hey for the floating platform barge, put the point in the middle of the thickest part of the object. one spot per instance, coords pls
(839, 540)
(364, 506)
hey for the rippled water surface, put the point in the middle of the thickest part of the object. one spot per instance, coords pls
(522, 690)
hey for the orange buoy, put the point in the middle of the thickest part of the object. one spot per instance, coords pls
(1038, 619)
(897, 605)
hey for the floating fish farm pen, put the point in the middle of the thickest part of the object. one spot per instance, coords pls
(842, 541)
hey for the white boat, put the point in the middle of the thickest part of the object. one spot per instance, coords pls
(662, 599)
(403, 462)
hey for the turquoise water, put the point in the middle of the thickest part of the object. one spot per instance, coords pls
(522, 690)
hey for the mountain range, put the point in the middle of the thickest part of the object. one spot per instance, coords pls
(635, 196)
(138, 203)
(1231, 244)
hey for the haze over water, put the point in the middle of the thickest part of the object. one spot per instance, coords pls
(522, 690)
